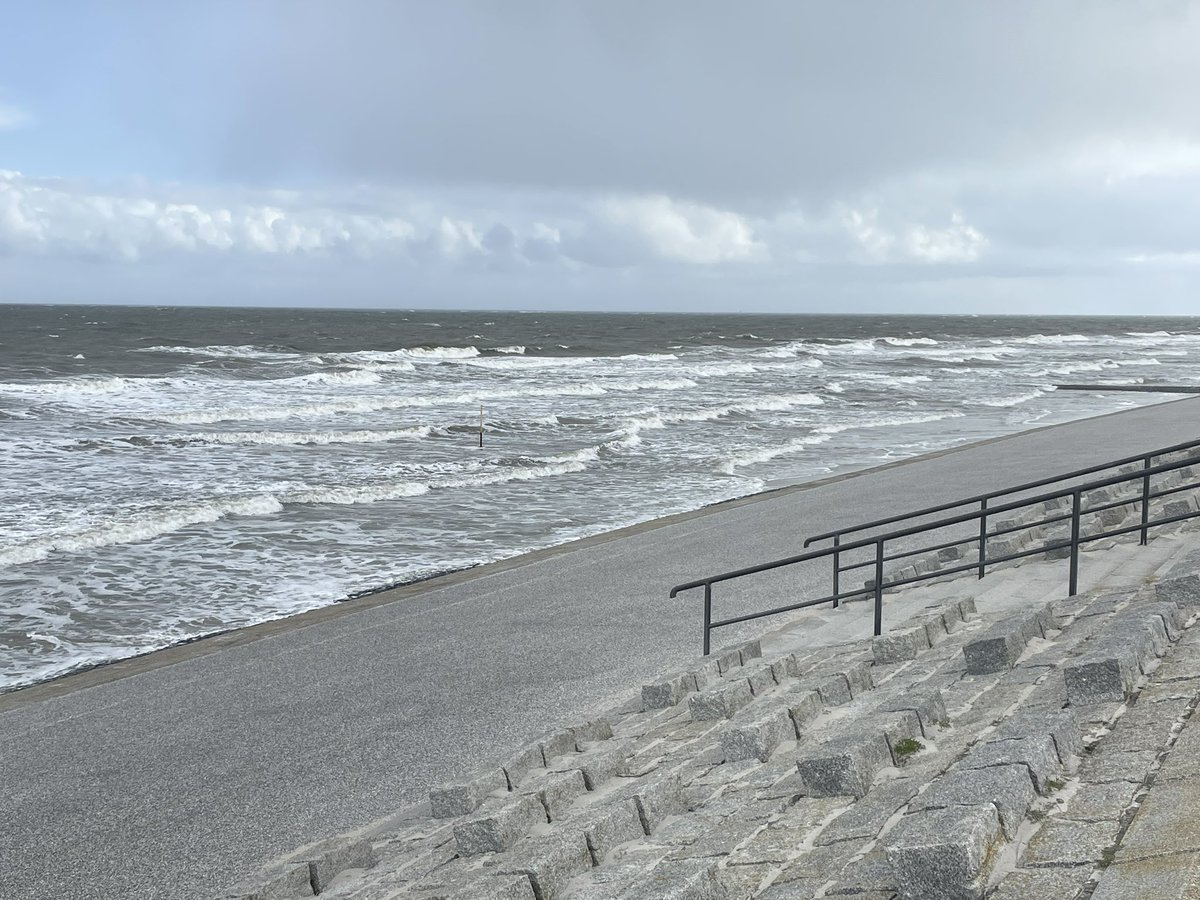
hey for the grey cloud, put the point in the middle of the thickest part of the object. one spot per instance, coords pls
(742, 104)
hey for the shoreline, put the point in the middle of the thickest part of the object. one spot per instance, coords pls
(213, 642)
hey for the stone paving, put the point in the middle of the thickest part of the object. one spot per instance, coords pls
(1038, 750)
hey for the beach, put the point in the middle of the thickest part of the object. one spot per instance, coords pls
(176, 773)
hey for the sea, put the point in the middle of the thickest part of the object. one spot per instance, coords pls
(167, 473)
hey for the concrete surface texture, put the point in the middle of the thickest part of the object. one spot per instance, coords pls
(200, 764)
(788, 768)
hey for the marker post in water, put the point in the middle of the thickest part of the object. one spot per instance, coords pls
(481, 428)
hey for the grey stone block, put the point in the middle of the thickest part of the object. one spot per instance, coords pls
(1061, 725)
(858, 678)
(668, 692)
(1171, 877)
(1183, 590)
(284, 881)
(760, 678)
(500, 827)
(1174, 618)
(929, 706)
(844, 765)
(331, 857)
(558, 744)
(778, 666)
(966, 609)
(898, 727)
(997, 650)
(691, 879)
(719, 701)
(756, 736)
(935, 629)
(750, 650)
(1037, 753)
(520, 764)
(951, 620)
(950, 554)
(1065, 843)
(598, 764)
(1008, 788)
(610, 825)
(557, 791)
(726, 658)
(549, 861)
(899, 645)
(1098, 679)
(834, 689)
(1042, 884)
(452, 800)
(945, 854)
(803, 705)
(591, 732)
(656, 799)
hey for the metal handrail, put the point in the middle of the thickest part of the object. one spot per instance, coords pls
(991, 495)
(878, 541)
(984, 499)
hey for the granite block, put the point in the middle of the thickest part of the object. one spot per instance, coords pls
(500, 827)
(557, 791)
(549, 861)
(945, 854)
(668, 692)
(450, 800)
(899, 645)
(844, 765)
(996, 650)
(756, 736)
(719, 701)
(1008, 788)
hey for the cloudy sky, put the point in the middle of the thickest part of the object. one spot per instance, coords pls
(689, 155)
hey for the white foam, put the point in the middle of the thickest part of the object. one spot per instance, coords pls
(344, 495)
(716, 370)
(1013, 401)
(140, 526)
(240, 351)
(516, 348)
(730, 465)
(76, 387)
(368, 404)
(908, 342)
(286, 438)
(888, 422)
(356, 376)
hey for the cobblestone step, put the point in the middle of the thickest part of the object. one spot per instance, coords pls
(867, 767)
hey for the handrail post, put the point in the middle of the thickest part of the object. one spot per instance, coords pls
(707, 614)
(982, 535)
(837, 569)
(1145, 503)
(878, 588)
(1076, 505)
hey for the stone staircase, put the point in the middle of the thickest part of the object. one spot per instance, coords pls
(1001, 739)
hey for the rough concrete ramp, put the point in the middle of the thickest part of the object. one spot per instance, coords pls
(1002, 741)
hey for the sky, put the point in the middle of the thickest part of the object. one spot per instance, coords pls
(678, 155)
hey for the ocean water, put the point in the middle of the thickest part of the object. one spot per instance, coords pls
(167, 473)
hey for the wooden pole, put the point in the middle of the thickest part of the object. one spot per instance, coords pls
(481, 427)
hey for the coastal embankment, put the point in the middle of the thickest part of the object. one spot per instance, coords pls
(173, 774)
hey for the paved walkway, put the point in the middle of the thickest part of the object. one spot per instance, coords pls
(177, 779)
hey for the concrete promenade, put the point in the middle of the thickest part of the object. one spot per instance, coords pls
(206, 760)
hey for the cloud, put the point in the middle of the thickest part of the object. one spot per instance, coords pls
(684, 232)
(957, 242)
(56, 217)
(133, 222)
